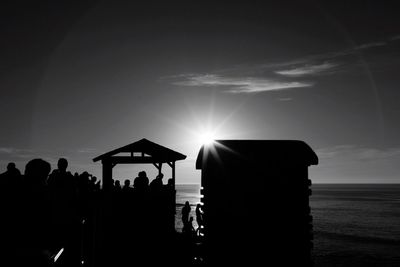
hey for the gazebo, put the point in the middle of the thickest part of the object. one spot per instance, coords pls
(149, 215)
(140, 152)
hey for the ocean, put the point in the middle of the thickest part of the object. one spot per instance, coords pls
(354, 224)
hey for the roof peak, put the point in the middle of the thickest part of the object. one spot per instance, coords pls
(156, 151)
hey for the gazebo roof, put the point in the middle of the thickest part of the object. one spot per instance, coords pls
(150, 153)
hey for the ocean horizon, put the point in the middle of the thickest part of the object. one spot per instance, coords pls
(353, 224)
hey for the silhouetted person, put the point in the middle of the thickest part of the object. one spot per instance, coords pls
(97, 185)
(117, 186)
(199, 215)
(11, 203)
(157, 184)
(185, 213)
(36, 245)
(92, 183)
(170, 183)
(12, 170)
(127, 186)
(10, 178)
(188, 228)
(141, 183)
(65, 213)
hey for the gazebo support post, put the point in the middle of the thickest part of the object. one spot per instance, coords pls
(158, 166)
(172, 165)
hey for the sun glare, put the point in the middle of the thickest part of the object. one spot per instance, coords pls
(206, 138)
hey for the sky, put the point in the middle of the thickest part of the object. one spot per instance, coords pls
(79, 78)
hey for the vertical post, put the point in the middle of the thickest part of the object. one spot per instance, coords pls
(174, 194)
(159, 168)
(173, 173)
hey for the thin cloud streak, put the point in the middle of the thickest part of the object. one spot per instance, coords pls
(312, 60)
(370, 45)
(309, 69)
(14, 151)
(285, 99)
(238, 85)
(256, 78)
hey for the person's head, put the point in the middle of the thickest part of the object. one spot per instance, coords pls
(118, 183)
(142, 174)
(11, 166)
(37, 170)
(187, 203)
(198, 205)
(127, 182)
(62, 164)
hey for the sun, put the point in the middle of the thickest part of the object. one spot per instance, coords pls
(206, 138)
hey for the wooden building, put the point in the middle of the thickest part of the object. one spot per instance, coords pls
(256, 202)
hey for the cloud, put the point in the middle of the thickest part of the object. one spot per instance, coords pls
(238, 85)
(15, 151)
(308, 69)
(309, 65)
(273, 76)
(16, 155)
(285, 99)
(6, 150)
(370, 45)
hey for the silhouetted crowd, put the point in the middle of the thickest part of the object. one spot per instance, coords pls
(42, 213)
(56, 218)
